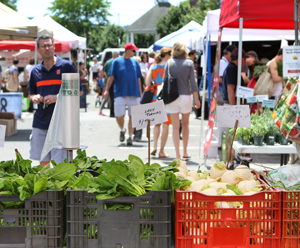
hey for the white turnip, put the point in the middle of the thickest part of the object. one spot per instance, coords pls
(244, 172)
(231, 178)
(198, 185)
(193, 174)
(180, 174)
(246, 184)
(217, 170)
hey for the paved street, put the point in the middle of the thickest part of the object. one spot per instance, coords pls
(101, 135)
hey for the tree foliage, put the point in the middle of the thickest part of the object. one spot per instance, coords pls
(178, 16)
(81, 17)
(110, 37)
(10, 3)
(144, 40)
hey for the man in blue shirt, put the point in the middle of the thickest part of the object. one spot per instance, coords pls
(126, 74)
(230, 78)
(44, 86)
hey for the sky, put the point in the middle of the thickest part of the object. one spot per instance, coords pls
(125, 11)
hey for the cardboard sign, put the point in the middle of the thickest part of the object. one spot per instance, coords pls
(227, 115)
(244, 92)
(268, 103)
(155, 112)
(291, 61)
(2, 135)
(251, 99)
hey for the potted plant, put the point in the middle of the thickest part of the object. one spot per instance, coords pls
(243, 135)
(258, 129)
(271, 134)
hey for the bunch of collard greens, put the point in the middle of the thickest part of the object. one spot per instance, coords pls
(117, 178)
(19, 178)
(129, 178)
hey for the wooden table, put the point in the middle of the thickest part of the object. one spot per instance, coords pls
(283, 150)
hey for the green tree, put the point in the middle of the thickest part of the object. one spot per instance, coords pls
(10, 3)
(110, 37)
(144, 40)
(82, 17)
(178, 16)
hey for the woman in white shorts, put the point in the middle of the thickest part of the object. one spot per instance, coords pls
(182, 69)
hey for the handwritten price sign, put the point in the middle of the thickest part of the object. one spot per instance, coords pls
(155, 112)
(227, 115)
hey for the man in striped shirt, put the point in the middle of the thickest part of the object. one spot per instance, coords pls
(44, 86)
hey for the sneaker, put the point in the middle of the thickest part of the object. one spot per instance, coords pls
(122, 135)
(129, 141)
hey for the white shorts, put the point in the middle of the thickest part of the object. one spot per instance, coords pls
(122, 102)
(183, 104)
(37, 141)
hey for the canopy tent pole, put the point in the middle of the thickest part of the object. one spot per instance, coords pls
(296, 11)
(240, 57)
(35, 55)
(84, 58)
(203, 100)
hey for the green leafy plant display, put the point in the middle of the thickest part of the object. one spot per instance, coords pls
(261, 124)
(117, 178)
(19, 178)
(259, 69)
(129, 178)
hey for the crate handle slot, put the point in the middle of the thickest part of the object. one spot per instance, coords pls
(11, 222)
(118, 206)
(229, 224)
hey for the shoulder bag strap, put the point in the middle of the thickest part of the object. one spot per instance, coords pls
(169, 76)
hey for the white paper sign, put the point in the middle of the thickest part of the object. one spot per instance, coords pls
(260, 98)
(227, 115)
(155, 112)
(2, 135)
(291, 61)
(244, 92)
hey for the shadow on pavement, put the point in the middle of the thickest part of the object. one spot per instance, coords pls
(21, 135)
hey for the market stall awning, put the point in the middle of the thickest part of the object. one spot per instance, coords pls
(185, 35)
(211, 25)
(14, 26)
(258, 14)
(60, 32)
(60, 46)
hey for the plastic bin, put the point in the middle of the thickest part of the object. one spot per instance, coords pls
(11, 102)
(290, 220)
(146, 225)
(40, 224)
(199, 224)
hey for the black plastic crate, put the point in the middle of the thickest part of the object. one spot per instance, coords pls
(146, 225)
(40, 224)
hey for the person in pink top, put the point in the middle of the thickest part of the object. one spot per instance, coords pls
(151, 59)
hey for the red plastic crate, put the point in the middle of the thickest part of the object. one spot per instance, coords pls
(290, 219)
(200, 225)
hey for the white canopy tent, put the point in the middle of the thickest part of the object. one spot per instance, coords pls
(14, 25)
(185, 35)
(59, 32)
